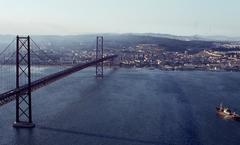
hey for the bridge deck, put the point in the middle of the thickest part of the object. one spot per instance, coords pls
(11, 95)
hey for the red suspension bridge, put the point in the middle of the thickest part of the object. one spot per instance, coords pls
(25, 84)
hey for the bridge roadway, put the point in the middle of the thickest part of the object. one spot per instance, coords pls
(11, 95)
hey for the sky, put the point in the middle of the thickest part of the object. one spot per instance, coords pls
(72, 17)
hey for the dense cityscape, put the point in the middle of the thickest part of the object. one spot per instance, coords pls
(141, 51)
(150, 55)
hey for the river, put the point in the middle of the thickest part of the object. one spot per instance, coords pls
(130, 107)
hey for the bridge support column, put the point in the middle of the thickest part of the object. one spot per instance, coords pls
(99, 55)
(23, 77)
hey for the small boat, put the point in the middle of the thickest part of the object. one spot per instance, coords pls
(227, 113)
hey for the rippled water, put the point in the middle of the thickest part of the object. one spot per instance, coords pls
(130, 106)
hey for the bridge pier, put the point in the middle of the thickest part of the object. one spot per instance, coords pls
(99, 55)
(23, 75)
(24, 86)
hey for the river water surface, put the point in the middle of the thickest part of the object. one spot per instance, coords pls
(130, 107)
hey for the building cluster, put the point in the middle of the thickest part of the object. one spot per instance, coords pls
(150, 55)
(143, 55)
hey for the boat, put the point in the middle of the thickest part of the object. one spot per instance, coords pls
(227, 113)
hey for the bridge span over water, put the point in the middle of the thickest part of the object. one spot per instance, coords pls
(22, 92)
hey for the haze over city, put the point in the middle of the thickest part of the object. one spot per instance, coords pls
(119, 72)
(67, 17)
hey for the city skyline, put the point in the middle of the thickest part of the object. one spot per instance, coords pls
(187, 17)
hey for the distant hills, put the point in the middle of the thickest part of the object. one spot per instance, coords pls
(170, 44)
(194, 37)
(87, 41)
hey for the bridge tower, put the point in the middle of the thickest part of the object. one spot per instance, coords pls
(23, 77)
(99, 55)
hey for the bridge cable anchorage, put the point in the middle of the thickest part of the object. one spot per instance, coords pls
(23, 77)
(99, 55)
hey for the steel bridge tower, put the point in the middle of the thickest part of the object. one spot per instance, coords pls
(23, 77)
(99, 55)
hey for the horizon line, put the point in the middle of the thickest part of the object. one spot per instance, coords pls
(123, 33)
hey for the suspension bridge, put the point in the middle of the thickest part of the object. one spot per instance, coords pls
(27, 56)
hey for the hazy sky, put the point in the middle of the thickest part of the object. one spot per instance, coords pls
(181, 17)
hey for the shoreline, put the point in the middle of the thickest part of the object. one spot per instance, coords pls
(149, 68)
